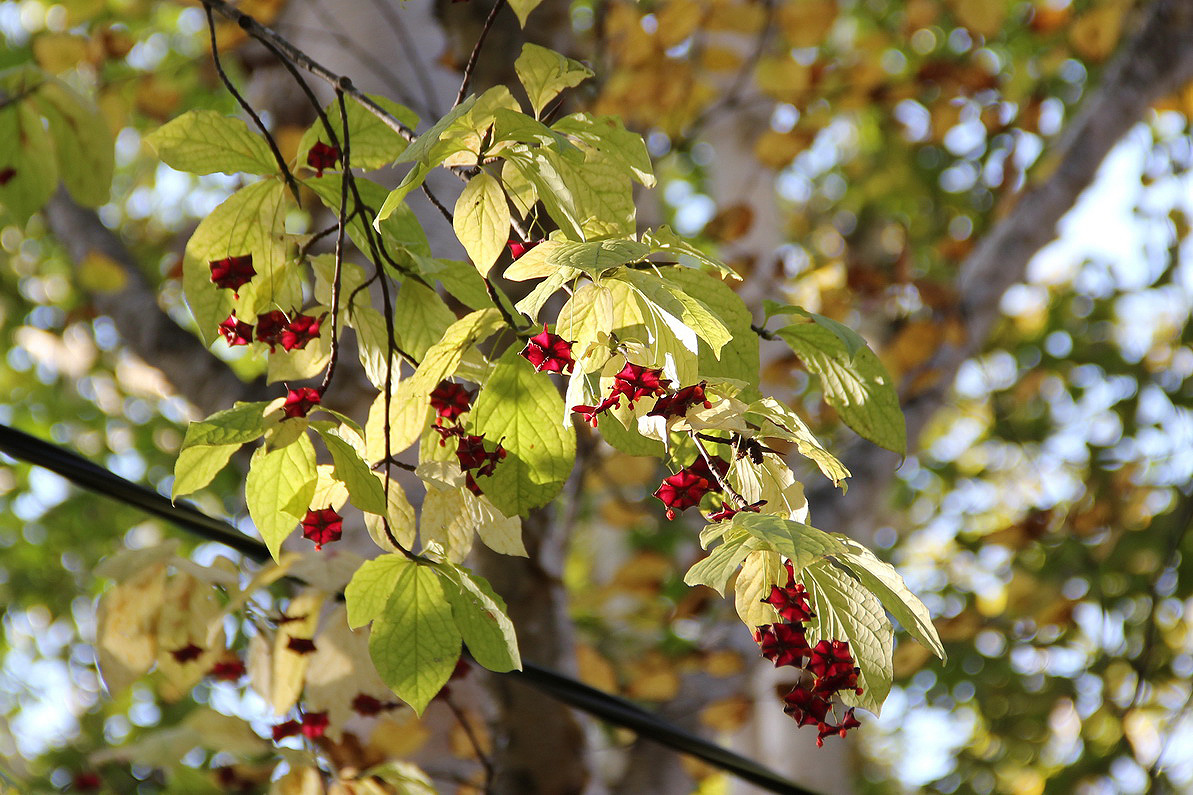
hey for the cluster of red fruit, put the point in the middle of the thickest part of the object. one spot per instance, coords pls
(829, 662)
(450, 401)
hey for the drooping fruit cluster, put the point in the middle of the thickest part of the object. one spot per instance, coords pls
(450, 401)
(300, 401)
(828, 666)
(634, 381)
(273, 328)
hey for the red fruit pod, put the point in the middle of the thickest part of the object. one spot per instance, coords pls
(300, 401)
(550, 352)
(323, 526)
(232, 273)
(322, 156)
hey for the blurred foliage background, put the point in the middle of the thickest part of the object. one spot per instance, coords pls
(845, 155)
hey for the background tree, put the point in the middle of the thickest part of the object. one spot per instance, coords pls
(898, 136)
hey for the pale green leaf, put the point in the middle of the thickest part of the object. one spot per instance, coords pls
(532, 304)
(673, 303)
(522, 9)
(82, 140)
(243, 423)
(279, 488)
(414, 642)
(442, 358)
(400, 515)
(425, 318)
(776, 420)
(373, 583)
(887, 584)
(401, 231)
(365, 491)
(405, 777)
(371, 142)
(198, 465)
(847, 611)
(482, 221)
(518, 407)
(444, 520)
(544, 73)
(852, 341)
(585, 316)
(515, 126)
(372, 345)
(459, 279)
(801, 544)
(739, 359)
(480, 615)
(301, 363)
(664, 241)
(34, 171)
(716, 569)
(857, 386)
(759, 571)
(423, 149)
(250, 221)
(608, 136)
(771, 481)
(206, 142)
(409, 411)
(352, 278)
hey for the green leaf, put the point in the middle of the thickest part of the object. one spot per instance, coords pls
(243, 423)
(776, 420)
(665, 241)
(371, 586)
(588, 199)
(607, 136)
(198, 465)
(365, 491)
(442, 358)
(515, 126)
(425, 318)
(459, 279)
(279, 488)
(414, 642)
(205, 142)
(401, 231)
(858, 386)
(852, 341)
(409, 411)
(544, 73)
(400, 515)
(250, 221)
(739, 359)
(532, 304)
(372, 344)
(82, 140)
(799, 543)
(482, 221)
(597, 256)
(522, 9)
(520, 408)
(887, 584)
(480, 616)
(679, 310)
(847, 611)
(423, 149)
(30, 166)
(371, 142)
(587, 314)
(716, 569)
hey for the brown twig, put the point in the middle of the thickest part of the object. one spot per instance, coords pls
(473, 740)
(476, 51)
(291, 183)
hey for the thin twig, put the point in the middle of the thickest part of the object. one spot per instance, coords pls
(273, 145)
(345, 176)
(726, 486)
(292, 54)
(438, 205)
(473, 740)
(476, 51)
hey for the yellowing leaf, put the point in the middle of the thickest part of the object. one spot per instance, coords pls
(289, 665)
(206, 142)
(279, 488)
(340, 669)
(544, 73)
(126, 641)
(482, 221)
(759, 571)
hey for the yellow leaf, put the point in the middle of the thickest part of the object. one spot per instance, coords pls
(805, 23)
(984, 17)
(652, 678)
(727, 714)
(398, 736)
(300, 781)
(678, 20)
(60, 52)
(340, 669)
(1096, 32)
(759, 571)
(189, 613)
(594, 669)
(126, 641)
(290, 666)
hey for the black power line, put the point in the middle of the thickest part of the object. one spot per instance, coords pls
(602, 705)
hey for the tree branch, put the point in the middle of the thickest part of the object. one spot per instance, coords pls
(1153, 63)
(198, 374)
